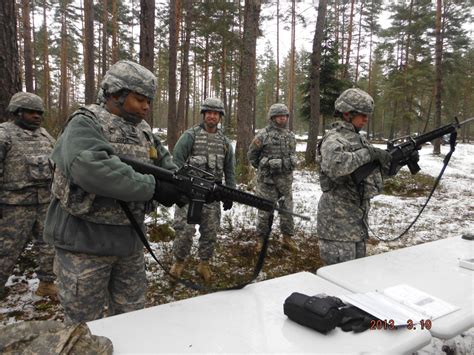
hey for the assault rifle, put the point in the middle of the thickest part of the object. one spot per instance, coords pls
(202, 190)
(402, 148)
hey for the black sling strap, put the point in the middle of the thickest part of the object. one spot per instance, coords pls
(190, 284)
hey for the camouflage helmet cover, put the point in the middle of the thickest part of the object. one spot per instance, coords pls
(278, 110)
(213, 104)
(25, 100)
(355, 100)
(129, 75)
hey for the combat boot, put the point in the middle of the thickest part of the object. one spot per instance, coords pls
(177, 269)
(204, 270)
(289, 244)
(46, 288)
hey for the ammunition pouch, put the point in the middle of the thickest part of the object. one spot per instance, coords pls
(320, 313)
(275, 165)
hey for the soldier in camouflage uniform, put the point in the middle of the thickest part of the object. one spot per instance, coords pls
(203, 146)
(273, 153)
(343, 207)
(24, 189)
(99, 257)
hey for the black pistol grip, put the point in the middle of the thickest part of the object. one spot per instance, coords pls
(413, 166)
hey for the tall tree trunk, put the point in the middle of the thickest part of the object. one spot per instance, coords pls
(291, 88)
(277, 92)
(105, 37)
(359, 41)
(64, 85)
(89, 51)
(173, 53)
(206, 68)
(439, 73)
(223, 76)
(147, 40)
(315, 104)
(183, 86)
(9, 64)
(46, 85)
(27, 45)
(349, 41)
(246, 96)
(115, 31)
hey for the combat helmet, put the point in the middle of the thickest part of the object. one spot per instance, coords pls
(278, 110)
(129, 75)
(354, 100)
(213, 104)
(25, 100)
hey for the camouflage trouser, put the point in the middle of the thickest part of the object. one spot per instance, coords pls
(333, 252)
(18, 225)
(210, 222)
(281, 188)
(87, 282)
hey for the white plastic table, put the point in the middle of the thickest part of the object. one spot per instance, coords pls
(431, 267)
(245, 321)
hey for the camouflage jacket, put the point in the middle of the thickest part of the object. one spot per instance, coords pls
(341, 151)
(89, 178)
(273, 152)
(343, 208)
(210, 152)
(25, 172)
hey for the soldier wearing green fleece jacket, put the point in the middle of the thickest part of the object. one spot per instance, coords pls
(99, 257)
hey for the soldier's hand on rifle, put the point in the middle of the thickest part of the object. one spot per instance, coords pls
(227, 204)
(379, 155)
(167, 194)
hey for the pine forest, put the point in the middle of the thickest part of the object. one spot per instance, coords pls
(415, 57)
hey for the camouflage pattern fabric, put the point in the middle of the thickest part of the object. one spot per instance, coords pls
(25, 174)
(355, 100)
(18, 224)
(282, 187)
(343, 208)
(126, 74)
(25, 100)
(50, 337)
(213, 104)
(135, 141)
(87, 283)
(333, 252)
(278, 110)
(211, 215)
(273, 153)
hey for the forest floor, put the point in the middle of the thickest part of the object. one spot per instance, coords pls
(450, 213)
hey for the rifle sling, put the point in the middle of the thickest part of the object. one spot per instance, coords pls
(452, 144)
(188, 283)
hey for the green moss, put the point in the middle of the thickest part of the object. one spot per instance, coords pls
(408, 185)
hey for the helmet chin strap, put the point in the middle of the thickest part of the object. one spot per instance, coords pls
(351, 116)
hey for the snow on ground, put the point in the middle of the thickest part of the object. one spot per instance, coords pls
(449, 213)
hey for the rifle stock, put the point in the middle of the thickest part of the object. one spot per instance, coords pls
(401, 152)
(200, 190)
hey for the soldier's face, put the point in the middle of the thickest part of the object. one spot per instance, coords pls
(359, 121)
(281, 120)
(211, 120)
(31, 117)
(137, 105)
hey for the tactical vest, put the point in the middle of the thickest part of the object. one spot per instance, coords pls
(352, 141)
(278, 152)
(208, 153)
(27, 161)
(134, 141)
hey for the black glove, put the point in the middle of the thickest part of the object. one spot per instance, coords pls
(167, 194)
(380, 155)
(355, 319)
(227, 204)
